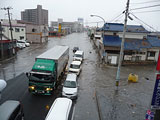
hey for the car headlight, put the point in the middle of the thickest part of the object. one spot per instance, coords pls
(48, 89)
(32, 87)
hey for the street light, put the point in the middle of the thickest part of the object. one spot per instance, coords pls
(103, 29)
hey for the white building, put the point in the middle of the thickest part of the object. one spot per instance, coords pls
(19, 30)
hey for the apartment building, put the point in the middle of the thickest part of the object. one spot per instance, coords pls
(37, 16)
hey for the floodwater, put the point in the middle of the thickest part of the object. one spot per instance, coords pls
(97, 99)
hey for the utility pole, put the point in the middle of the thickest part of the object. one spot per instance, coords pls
(8, 8)
(1, 41)
(122, 47)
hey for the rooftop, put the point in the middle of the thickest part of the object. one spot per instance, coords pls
(131, 44)
(117, 27)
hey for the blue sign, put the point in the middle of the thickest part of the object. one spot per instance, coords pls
(155, 104)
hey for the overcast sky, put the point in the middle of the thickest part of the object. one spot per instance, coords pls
(70, 10)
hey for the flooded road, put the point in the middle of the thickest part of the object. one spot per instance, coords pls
(97, 99)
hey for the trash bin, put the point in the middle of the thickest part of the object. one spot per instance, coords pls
(133, 77)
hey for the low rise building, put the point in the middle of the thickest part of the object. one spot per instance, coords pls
(139, 45)
(35, 33)
(18, 30)
(7, 47)
(68, 27)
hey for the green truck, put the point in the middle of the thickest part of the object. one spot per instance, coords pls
(47, 70)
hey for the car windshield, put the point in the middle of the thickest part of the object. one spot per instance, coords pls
(41, 77)
(70, 84)
(75, 48)
(75, 66)
(78, 55)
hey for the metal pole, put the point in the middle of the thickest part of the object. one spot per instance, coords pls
(8, 8)
(122, 47)
(1, 41)
(10, 29)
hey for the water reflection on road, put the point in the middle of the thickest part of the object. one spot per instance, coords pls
(96, 96)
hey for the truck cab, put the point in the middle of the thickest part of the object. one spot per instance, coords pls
(47, 70)
(42, 78)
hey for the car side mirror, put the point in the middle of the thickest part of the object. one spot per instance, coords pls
(27, 74)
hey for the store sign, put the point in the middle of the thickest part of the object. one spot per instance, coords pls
(155, 104)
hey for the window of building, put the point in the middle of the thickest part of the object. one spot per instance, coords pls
(33, 30)
(3, 29)
(22, 29)
(151, 54)
(16, 29)
(21, 37)
(114, 34)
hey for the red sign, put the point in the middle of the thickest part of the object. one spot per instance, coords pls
(158, 63)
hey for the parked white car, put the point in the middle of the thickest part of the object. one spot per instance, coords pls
(20, 44)
(27, 44)
(75, 67)
(70, 86)
(78, 55)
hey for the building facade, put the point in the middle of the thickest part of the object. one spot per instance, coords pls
(35, 33)
(139, 46)
(76, 26)
(19, 30)
(36, 16)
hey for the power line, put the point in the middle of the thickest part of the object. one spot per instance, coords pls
(147, 11)
(145, 7)
(144, 22)
(117, 17)
(93, 22)
(119, 14)
(146, 2)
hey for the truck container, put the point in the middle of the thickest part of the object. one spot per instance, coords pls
(47, 70)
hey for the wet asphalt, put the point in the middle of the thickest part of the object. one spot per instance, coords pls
(97, 99)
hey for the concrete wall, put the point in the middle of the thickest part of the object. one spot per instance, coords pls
(37, 33)
(128, 35)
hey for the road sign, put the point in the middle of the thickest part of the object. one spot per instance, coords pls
(149, 115)
(155, 104)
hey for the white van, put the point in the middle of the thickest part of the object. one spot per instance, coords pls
(70, 86)
(60, 109)
(79, 55)
(75, 67)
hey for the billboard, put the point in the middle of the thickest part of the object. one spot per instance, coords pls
(155, 104)
(80, 20)
(59, 27)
